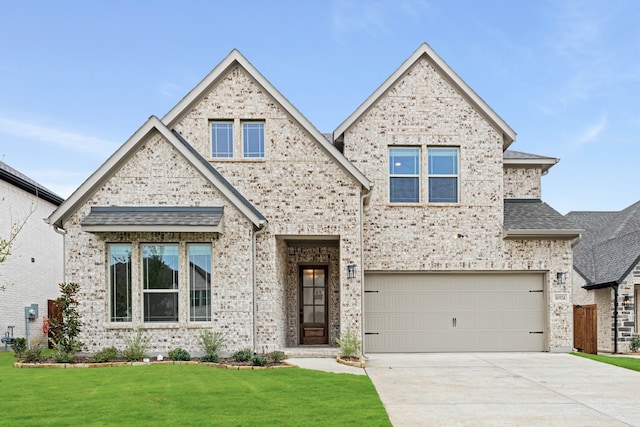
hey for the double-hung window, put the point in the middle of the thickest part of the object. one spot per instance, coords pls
(160, 282)
(253, 139)
(443, 175)
(404, 175)
(222, 139)
(199, 283)
(120, 282)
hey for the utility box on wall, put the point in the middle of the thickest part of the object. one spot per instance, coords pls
(31, 312)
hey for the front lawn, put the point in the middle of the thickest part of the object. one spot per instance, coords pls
(162, 395)
(632, 363)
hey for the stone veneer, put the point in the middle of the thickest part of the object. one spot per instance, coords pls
(423, 110)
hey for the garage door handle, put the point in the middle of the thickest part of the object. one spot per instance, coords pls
(455, 322)
(536, 290)
(536, 332)
(370, 292)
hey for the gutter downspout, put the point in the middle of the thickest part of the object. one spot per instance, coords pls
(262, 228)
(62, 232)
(363, 199)
(615, 318)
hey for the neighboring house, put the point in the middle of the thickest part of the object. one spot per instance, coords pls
(607, 261)
(31, 274)
(412, 225)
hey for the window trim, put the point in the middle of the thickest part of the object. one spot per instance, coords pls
(148, 291)
(452, 175)
(192, 317)
(417, 175)
(113, 318)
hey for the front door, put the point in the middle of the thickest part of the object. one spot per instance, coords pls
(313, 305)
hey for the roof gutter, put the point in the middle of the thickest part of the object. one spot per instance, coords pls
(541, 233)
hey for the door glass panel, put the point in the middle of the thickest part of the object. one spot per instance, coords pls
(308, 296)
(307, 278)
(319, 278)
(319, 313)
(318, 296)
(308, 314)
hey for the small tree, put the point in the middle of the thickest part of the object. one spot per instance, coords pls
(65, 330)
(6, 243)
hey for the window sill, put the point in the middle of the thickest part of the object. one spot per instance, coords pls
(131, 325)
(237, 159)
(424, 205)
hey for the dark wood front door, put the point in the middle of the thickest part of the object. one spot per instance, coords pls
(313, 305)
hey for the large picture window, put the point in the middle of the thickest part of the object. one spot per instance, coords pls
(199, 283)
(443, 175)
(160, 282)
(404, 175)
(222, 139)
(253, 138)
(120, 283)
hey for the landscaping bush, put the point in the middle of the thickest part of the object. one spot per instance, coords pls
(243, 355)
(277, 356)
(634, 346)
(211, 342)
(65, 330)
(179, 354)
(135, 347)
(105, 355)
(349, 343)
(210, 358)
(32, 355)
(19, 346)
(259, 360)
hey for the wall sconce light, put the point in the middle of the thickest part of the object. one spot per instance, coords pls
(459, 236)
(626, 302)
(562, 277)
(351, 271)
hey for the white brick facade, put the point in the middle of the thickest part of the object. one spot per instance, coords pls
(312, 199)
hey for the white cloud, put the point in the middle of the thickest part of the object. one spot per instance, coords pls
(58, 137)
(593, 131)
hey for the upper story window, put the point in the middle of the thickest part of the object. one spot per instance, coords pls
(253, 139)
(443, 175)
(404, 175)
(222, 139)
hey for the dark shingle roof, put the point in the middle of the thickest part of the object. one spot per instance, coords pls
(511, 154)
(153, 215)
(20, 180)
(610, 245)
(533, 214)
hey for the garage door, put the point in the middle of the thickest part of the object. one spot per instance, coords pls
(454, 312)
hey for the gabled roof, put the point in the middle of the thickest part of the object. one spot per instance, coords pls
(518, 158)
(235, 58)
(129, 148)
(447, 72)
(20, 180)
(532, 218)
(610, 245)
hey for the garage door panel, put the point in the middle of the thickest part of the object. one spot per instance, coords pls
(454, 312)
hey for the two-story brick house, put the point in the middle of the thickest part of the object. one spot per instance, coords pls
(413, 224)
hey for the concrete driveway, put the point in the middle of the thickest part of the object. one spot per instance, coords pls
(511, 389)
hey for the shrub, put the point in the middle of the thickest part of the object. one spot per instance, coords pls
(211, 342)
(243, 355)
(259, 360)
(105, 355)
(210, 358)
(66, 329)
(635, 343)
(277, 356)
(135, 347)
(349, 343)
(179, 354)
(32, 355)
(19, 346)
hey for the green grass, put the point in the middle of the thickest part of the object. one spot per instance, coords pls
(184, 395)
(632, 363)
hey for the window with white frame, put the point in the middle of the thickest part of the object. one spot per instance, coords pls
(199, 282)
(120, 282)
(253, 139)
(404, 175)
(443, 174)
(222, 139)
(160, 273)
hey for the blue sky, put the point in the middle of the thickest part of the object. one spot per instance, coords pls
(78, 78)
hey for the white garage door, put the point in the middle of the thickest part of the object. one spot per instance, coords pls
(454, 312)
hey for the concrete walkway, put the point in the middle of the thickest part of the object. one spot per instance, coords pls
(510, 389)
